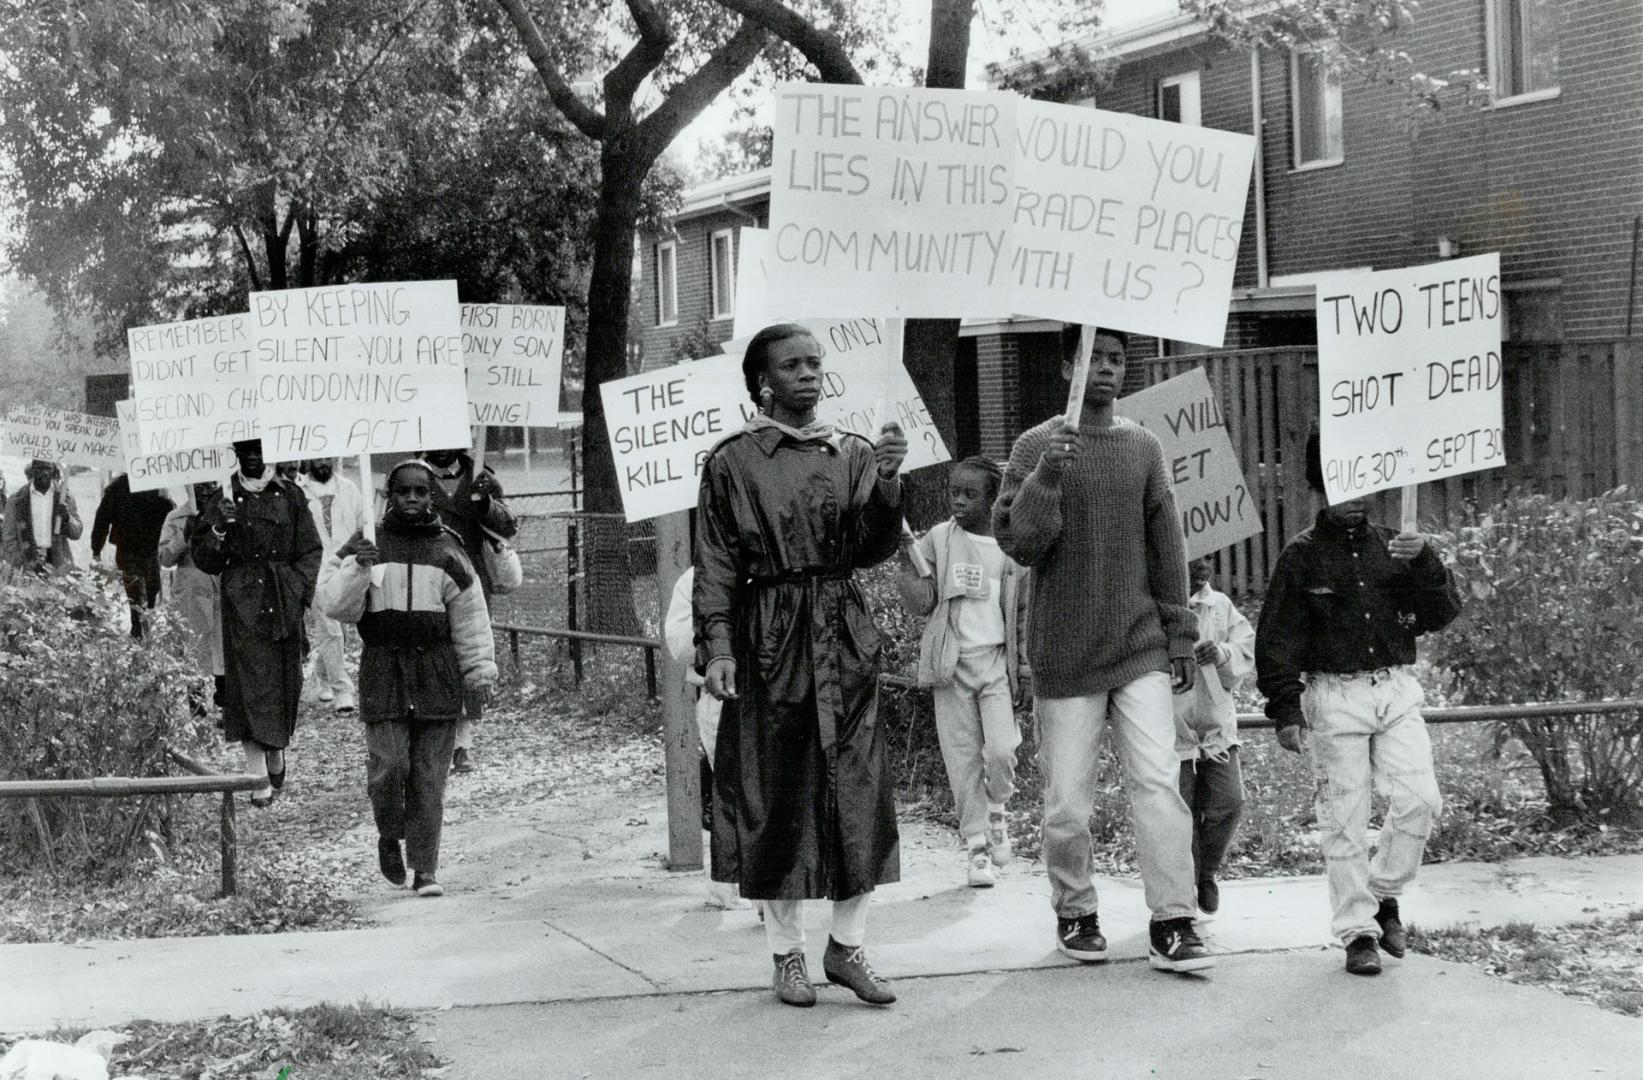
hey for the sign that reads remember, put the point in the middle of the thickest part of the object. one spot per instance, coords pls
(1125, 221)
(191, 383)
(663, 423)
(513, 354)
(150, 472)
(1216, 506)
(1409, 372)
(67, 438)
(359, 369)
(890, 201)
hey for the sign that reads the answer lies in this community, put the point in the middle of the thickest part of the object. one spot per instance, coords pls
(1214, 501)
(514, 354)
(66, 438)
(152, 471)
(191, 383)
(1409, 375)
(359, 369)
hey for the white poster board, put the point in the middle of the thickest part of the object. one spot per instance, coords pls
(359, 369)
(60, 436)
(1126, 222)
(514, 356)
(154, 471)
(1409, 375)
(663, 423)
(1211, 495)
(890, 201)
(191, 383)
(858, 367)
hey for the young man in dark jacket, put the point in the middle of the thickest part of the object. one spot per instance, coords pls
(132, 521)
(421, 614)
(1332, 653)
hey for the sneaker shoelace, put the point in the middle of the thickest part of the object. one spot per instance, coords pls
(858, 957)
(791, 970)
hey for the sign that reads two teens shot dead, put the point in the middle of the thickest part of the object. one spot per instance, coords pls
(1409, 375)
(359, 369)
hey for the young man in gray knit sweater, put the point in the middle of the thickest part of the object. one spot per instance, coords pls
(1091, 511)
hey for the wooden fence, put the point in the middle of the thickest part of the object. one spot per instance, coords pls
(1573, 426)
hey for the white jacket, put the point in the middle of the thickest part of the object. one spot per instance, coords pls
(347, 508)
(1220, 622)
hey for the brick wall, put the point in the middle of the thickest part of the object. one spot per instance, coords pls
(696, 330)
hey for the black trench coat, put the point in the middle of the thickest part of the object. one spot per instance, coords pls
(266, 565)
(804, 802)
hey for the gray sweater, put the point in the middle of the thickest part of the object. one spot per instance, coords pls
(1103, 539)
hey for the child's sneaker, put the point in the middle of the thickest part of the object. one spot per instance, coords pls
(391, 861)
(1081, 938)
(998, 838)
(981, 874)
(425, 885)
(1176, 946)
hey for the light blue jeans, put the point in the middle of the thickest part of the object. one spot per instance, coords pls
(1069, 741)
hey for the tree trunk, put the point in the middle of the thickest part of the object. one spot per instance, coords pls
(273, 241)
(610, 284)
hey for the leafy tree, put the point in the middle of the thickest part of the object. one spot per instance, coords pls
(43, 356)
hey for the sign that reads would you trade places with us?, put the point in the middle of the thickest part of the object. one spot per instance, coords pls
(514, 354)
(191, 383)
(66, 438)
(1409, 375)
(359, 369)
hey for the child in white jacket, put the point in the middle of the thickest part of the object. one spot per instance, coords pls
(1206, 729)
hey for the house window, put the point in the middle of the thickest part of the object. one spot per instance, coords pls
(1523, 45)
(667, 284)
(1178, 99)
(1315, 103)
(722, 272)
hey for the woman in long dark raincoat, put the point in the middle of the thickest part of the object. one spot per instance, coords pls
(264, 548)
(804, 801)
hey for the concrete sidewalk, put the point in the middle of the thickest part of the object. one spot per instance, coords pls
(649, 933)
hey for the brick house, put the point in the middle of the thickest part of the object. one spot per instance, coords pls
(1347, 177)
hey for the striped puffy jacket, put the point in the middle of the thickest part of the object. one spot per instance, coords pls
(422, 616)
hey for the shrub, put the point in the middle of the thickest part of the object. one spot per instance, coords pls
(81, 699)
(1553, 614)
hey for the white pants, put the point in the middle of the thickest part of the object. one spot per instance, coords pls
(784, 923)
(1069, 743)
(1367, 734)
(330, 671)
(975, 725)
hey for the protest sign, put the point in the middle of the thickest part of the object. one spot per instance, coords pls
(1125, 221)
(359, 369)
(191, 383)
(662, 425)
(152, 471)
(67, 438)
(1210, 493)
(890, 201)
(1409, 375)
(513, 354)
(861, 363)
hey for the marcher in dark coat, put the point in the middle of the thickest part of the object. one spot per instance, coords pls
(263, 546)
(803, 795)
(469, 505)
(40, 520)
(132, 521)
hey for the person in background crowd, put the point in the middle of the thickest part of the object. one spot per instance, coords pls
(193, 591)
(421, 614)
(973, 654)
(40, 521)
(259, 540)
(1333, 651)
(470, 506)
(339, 512)
(803, 792)
(131, 521)
(1206, 729)
(1090, 511)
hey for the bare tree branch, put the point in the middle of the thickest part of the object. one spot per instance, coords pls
(655, 38)
(689, 98)
(250, 261)
(587, 119)
(821, 48)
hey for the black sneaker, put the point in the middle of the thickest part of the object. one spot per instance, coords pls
(391, 861)
(1394, 938)
(847, 966)
(1362, 957)
(792, 982)
(1209, 896)
(1177, 947)
(462, 762)
(425, 885)
(1081, 939)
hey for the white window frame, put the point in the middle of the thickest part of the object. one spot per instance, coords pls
(1495, 39)
(667, 291)
(1332, 80)
(1193, 117)
(729, 238)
